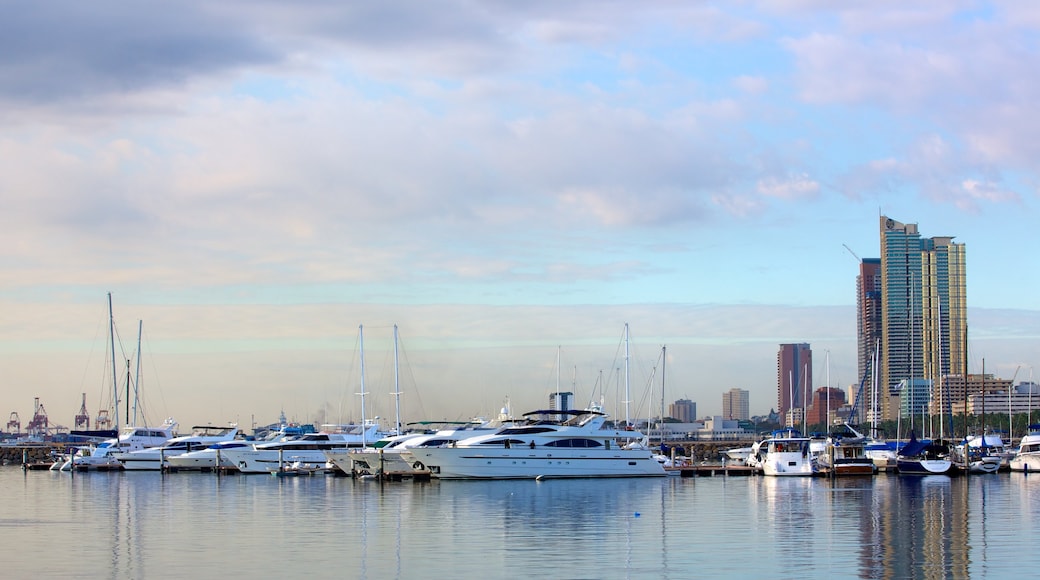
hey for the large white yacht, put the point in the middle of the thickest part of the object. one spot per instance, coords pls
(305, 451)
(154, 458)
(550, 444)
(1028, 456)
(102, 456)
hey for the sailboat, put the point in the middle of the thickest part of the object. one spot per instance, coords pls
(923, 457)
(132, 438)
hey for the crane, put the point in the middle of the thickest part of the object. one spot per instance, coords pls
(858, 259)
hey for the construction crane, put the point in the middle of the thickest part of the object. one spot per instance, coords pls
(14, 424)
(858, 259)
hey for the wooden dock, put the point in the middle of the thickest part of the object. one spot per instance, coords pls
(711, 470)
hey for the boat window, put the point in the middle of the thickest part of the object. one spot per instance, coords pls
(584, 443)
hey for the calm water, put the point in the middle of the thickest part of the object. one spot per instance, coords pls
(146, 525)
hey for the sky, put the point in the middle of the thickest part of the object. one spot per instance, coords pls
(261, 184)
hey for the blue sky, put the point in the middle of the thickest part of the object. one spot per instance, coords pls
(504, 181)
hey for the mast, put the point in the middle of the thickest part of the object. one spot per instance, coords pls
(827, 420)
(137, 379)
(875, 404)
(628, 422)
(664, 358)
(361, 341)
(115, 379)
(805, 397)
(397, 383)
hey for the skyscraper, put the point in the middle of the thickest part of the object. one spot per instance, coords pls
(923, 306)
(793, 376)
(735, 405)
(868, 337)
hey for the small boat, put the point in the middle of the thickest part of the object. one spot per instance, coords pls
(846, 454)
(1027, 458)
(981, 453)
(923, 457)
(738, 454)
(787, 455)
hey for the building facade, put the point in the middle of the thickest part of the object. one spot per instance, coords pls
(793, 376)
(868, 340)
(736, 405)
(923, 310)
(683, 410)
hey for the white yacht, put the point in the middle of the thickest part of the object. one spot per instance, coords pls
(103, 456)
(393, 455)
(305, 452)
(1028, 456)
(155, 458)
(550, 444)
(787, 454)
(207, 458)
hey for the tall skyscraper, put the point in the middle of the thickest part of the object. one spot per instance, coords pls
(923, 307)
(735, 405)
(868, 337)
(793, 376)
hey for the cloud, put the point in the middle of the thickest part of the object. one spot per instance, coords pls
(789, 188)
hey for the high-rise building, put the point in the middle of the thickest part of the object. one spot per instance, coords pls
(868, 338)
(793, 376)
(735, 405)
(924, 313)
(683, 410)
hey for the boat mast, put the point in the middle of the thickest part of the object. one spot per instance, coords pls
(137, 379)
(628, 421)
(827, 420)
(664, 358)
(361, 341)
(115, 379)
(397, 383)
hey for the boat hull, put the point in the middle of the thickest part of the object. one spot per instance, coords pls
(1025, 462)
(462, 463)
(924, 466)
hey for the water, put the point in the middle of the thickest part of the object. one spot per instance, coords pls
(146, 525)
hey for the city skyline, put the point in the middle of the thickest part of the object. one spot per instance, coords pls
(510, 184)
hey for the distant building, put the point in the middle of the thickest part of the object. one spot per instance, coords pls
(950, 395)
(735, 405)
(793, 376)
(560, 401)
(827, 401)
(683, 411)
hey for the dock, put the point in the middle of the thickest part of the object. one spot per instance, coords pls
(711, 470)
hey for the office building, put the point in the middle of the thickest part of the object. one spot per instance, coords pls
(735, 405)
(793, 376)
(683, 410)
(923, 311)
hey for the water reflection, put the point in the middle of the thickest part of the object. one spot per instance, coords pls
(148, 526)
